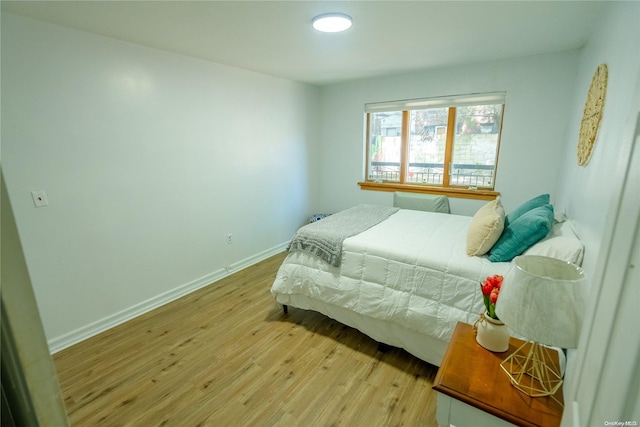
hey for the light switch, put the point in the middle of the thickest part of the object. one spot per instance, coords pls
(39, 198)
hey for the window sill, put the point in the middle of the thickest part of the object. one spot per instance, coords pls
(461, 193)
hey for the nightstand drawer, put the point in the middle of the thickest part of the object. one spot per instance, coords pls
(452, 412)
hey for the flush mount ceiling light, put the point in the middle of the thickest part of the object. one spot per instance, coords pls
(332, 22)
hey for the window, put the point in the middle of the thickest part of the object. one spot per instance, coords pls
(439, 145)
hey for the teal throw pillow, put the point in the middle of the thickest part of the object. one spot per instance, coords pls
(522, 233)
(536, 202)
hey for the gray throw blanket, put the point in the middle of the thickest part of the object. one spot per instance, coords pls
(324, 238)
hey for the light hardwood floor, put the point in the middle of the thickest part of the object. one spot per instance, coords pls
(226, 355)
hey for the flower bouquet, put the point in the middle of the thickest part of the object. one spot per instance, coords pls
(490, 291)
(491, 332)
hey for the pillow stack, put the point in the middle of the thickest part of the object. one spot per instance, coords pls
(505, 237)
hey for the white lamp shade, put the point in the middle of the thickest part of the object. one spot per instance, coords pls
(543, 300)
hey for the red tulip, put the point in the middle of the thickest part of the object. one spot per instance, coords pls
(494, 295)
(487, 288)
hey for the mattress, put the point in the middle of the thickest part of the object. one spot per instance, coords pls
(409, 273)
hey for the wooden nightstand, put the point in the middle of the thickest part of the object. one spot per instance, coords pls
(473, 390)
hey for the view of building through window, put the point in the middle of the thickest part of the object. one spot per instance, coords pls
(451, 146)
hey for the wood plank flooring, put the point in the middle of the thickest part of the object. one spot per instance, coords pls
(226, 355)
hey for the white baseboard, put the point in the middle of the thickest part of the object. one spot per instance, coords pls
(60, 343)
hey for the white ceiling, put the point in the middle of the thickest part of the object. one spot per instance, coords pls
(276, 37)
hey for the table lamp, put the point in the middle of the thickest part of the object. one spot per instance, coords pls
(541, 299)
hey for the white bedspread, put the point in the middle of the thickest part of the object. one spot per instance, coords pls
(411, 270)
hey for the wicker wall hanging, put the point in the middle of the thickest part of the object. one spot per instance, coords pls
(592, 114)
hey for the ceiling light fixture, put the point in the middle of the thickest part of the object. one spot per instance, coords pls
(332, 22)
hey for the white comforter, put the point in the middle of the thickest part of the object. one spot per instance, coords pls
(411, 270)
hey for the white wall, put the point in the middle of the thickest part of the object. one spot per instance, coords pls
(149, 159)
(539, 92)
(586, 192)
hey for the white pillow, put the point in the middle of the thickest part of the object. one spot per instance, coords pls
(485, 228)
(561, 243)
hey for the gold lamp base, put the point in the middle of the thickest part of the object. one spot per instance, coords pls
(534, 372)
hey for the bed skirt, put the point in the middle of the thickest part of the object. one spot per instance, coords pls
(424, 347)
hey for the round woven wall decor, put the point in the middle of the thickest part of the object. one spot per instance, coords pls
(592, 114)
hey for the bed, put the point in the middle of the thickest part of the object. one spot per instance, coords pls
(405, 281)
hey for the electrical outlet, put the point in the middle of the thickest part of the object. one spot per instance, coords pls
(229, 239)
(39, 198)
